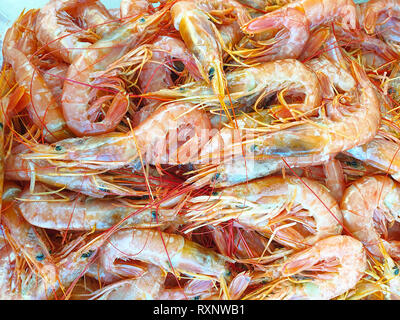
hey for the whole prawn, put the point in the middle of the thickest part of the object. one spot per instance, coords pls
(269, 204)
(370, 208)
(343, 260)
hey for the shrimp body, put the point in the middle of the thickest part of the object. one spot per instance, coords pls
(115, 150)
(191, 19)
(267, 204)
(381, 154)
(82, 213)
(327, 136)
(344, 259)
(295, 19)
(154, 76)
(82, 75)
(168, 251)
(43, 109)
(370, 206)
(247, 83)
(377, 12)
(61, 36)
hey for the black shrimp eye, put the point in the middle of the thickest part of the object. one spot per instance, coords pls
(58, 148)
(1, 126)
(154, 215)
(396, 270)
(142, 20)
(87, 254)
(215, 177)
(211, 73)
(40, 257)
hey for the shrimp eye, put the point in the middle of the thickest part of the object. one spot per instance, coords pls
(40, 257)
(142, 20)
(102, 189)
(215, 193)
(196, 298)
(154, 215)
(58, 148)
(215, 177)
(87, 254)
(396, 270)
(211, 73)
(1, 126)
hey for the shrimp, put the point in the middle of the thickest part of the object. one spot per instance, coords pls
(44, 110)
(115, 150)
(58, 32)
(381, 154)
(298, 18)
(154, 76)
(370, 209)
(241, 169)
(146, 287)
(376, 13)
(88, 183)
(246, 84)
(69, 211)
(25, 239)
(269, 205)
(97, 17)
(83, 79)
(343, 259)
(327, 135)
(170, 252)
(132, 8)
(192, 20)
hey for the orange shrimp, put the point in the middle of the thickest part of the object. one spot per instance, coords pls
(94, 185)
(298, 18)
(171, 126)
(57, 31)
(154, 77)
(70, 211)
(171, 252)
(327, 135)
(338, 261)
(294, 212)
(83, 80)
(44, 110)
(192, 19)
(370, 209)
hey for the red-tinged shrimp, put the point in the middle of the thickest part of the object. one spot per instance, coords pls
(170, 127)
(370, 208)
(195, 289)
(44, 110)
(70, 211)
(155, 74)
(88, 183)
(331, 267)
(58, 32)
(170, 252)
(327, 135)
(198, 31)
(132, 8)
(293, 22)
(54, 78)
(295, 212)
(83, 83)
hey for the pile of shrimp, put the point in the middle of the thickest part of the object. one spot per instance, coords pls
(193, 149)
